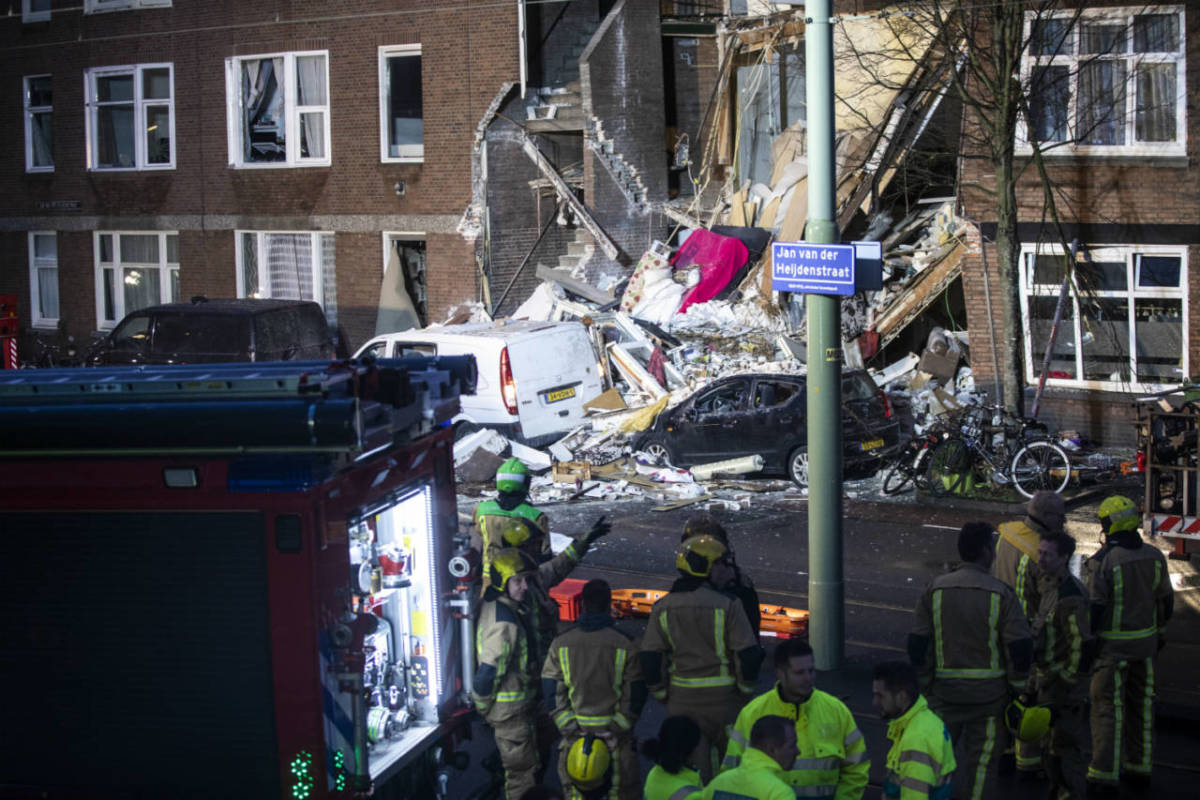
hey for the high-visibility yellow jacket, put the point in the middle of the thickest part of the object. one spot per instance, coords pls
(1016, 563)
(832, 759)
(1131, 596)
(662, 785)
(758, 777)
(705, 638)
(920, 763)
(599, 683)
(505, 682)
(970, 642)
(1060, 652)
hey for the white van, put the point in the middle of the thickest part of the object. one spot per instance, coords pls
(534, 377)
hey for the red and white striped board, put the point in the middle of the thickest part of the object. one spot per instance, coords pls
(1174, 526)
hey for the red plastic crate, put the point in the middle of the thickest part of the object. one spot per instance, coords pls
(569, 595)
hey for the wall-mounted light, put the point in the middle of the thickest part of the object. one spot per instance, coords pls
(400, 188)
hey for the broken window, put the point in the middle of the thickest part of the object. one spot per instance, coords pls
(1122, 322)
(770, 394)
(401, 119)
(402, 294)
(724, 399)
(770, 97)
(279, 109)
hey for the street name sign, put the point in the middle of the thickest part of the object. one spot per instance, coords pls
(812, 268)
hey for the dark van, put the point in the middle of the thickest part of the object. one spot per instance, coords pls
(210, 331)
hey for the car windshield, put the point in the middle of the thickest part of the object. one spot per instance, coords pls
(200, 333)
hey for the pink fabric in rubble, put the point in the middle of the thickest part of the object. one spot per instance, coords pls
(719, 257)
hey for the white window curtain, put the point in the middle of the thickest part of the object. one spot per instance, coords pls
(289, 265)
(45, 261)
(311, 91)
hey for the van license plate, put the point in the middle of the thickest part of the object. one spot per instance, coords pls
(565, 394)
(874, 444)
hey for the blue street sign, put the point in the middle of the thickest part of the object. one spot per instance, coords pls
(812, 268)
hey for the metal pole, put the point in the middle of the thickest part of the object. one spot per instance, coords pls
(1058, 313)
(825, 589)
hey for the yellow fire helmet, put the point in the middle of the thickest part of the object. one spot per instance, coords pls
(509, 531)
(697, 555)
(588, 762)
(507, 563)
(1118, 513)
(1027, 723)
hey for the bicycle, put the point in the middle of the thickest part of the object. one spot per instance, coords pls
(979, 454)
(910, 466)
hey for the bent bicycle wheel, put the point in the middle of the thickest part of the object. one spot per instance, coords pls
(898, 477)
(1040, 466)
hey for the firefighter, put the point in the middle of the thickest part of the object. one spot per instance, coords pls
(1131, 601)
(727, 576)
(760, 775)
(551, 571)
(512, 483)
(920, 763)
(1061, 656)
(675, 754)
(832, 757)
(698, 654)
(504, 688)
(1017, 565)
(972, 649)
(597, 689)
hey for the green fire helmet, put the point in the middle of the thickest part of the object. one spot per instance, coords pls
(513, 476)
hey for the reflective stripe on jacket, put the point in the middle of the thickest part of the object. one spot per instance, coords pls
(1132, 587)
(970, 641)
(487, 542)
(595, 671)
(1016, 564)
(662, 785)
(502, 643)
(1059, 656)
(700, 632)
(920, 762)
(758, 777)
(832, 759)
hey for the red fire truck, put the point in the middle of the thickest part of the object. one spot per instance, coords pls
(231, 580)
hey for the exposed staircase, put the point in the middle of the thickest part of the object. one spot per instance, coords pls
(559, 106)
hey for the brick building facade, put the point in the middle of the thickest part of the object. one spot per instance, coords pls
(1128, 187)
(167, 148)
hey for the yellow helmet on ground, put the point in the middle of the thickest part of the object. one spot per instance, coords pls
(1027, 723)
(1118, 513)
(507, 563)
(697, 555)
(588, 763)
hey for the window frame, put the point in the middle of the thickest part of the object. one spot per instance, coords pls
(1129, 254)
(30, 110)
(386, 52)
(316, 252)
(1132, 147)
(35, 316)
(292, 112)
(140, 104)
(29, 15)
(106, 6)
(169, 273)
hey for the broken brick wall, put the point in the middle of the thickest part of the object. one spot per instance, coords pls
(622, 76)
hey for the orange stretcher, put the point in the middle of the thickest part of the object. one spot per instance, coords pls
(778, 621)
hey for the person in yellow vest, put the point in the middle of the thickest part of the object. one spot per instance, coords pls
(1131, 601)
(920, 763)
(596, 684)
(512, 501)
(675, 752)
(972, 649)
(698, 654)
(760, 773)
(504, 687)
(1017, 565)
(1061, 661)
(832, 760)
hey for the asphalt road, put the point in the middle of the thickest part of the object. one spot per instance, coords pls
(892, 548)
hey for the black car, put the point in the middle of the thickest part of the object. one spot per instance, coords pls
(210, 331)
(766, 414)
